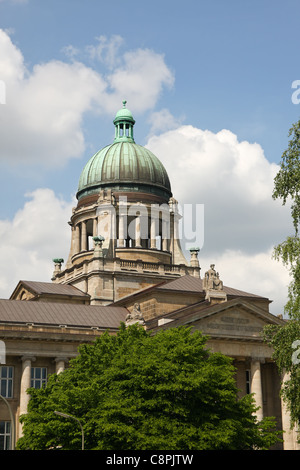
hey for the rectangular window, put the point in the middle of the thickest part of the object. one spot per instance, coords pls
(6, 381)
(248, 381)
(5, 435)
(38, 377)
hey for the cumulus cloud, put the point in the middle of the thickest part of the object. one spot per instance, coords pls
(42, 121)
(106, 50)
(242, 223)
(38, 233)
(257, 273)
(232, 179)
(162, 121)
(142, 77)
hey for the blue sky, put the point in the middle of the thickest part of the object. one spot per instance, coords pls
(185, 68)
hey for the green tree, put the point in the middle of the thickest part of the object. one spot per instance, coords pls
(139, 391)
(286, 345)
(283, 339)
(287, 188)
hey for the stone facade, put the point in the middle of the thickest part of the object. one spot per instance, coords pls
(124, 260)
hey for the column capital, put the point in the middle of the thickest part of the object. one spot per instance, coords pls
(60, 364)
(260, 359)
(58, 359)
(28, 357)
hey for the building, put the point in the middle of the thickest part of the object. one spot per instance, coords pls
(126, 265)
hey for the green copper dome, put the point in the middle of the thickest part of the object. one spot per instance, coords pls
(124, 165)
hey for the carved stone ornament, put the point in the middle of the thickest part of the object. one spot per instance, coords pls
(135, 316)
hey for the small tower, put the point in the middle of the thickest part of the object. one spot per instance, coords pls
(124, 123)
(125, 225)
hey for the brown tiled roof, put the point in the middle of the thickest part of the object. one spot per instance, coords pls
(186, 284)
(40, 288)
(189, 283)
(51, 313)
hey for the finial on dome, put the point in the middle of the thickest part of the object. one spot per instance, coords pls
(124, 103)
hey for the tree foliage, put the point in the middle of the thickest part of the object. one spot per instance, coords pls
(139, 391)
(284, 338)
(286, 344)
(287, 188)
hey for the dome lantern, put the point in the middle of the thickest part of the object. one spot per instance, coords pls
(124, 123)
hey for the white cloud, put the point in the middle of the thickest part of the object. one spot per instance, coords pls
(42, 120)
(232, 179)
(12, 68)
(70, 51)
(38, 233)
(242, 222)
(140, 79)
(162, 121)
(106, 50)
(258, 273)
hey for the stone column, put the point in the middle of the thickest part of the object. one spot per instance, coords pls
(121, 230)
(172, 245)
(77, 240)
(164, 235)
(69, 263)
(60, 364)
(138, 243)
(25, 384)
(83, 236)
(256, 386)
(95, 227)
(153, 233)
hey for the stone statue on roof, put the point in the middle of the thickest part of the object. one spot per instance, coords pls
(212, 280)
(135, 316)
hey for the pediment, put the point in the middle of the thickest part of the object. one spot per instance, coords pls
(234, 319)
(22, 292)
(233, 322)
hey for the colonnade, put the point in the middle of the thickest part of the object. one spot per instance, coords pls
(123, 129)
(143, 232)
(131, 232)
(81, 232)
(26, 381)
(290, 435)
